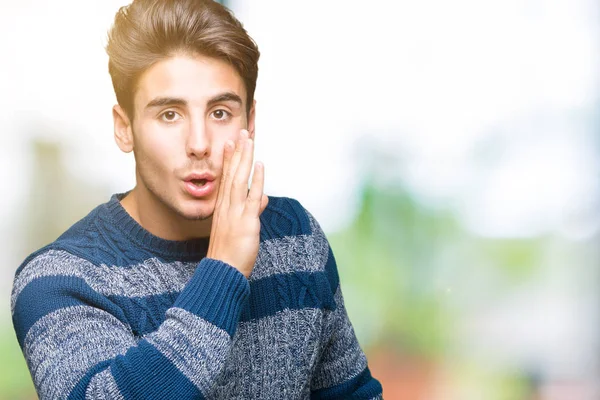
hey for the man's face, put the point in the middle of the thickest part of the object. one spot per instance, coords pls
(186, 108)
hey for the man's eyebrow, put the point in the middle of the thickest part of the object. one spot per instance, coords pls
(223, 97)
(166, 101)
(177, 101)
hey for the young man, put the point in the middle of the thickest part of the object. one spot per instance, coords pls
(191, 285)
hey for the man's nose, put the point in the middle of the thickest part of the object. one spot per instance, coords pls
(198, 141)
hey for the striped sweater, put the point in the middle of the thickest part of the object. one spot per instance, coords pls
(110, 311)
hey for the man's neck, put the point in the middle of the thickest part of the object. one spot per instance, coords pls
(160, 220)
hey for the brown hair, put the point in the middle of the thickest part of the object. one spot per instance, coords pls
(147, 31)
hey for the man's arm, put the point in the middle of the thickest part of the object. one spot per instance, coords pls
(342, 371)
(77, 346)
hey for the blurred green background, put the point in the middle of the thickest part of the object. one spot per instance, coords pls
(450, 152)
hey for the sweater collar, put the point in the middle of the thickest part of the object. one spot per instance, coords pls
(180, 250)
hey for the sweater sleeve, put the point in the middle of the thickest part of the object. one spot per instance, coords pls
(77, 345)
(342, 371)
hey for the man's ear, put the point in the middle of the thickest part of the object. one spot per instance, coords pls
(251, 118)
(123, 129)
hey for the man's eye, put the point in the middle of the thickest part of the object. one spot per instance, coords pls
(170, 116)
(220, 114)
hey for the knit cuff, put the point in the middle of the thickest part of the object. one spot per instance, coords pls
(217, 293)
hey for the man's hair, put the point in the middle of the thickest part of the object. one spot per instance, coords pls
(148, 31)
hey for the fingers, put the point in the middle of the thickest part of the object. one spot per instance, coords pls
(232, 167)
(237, 165)
(255, 195)
(239, 188)
(227, 155)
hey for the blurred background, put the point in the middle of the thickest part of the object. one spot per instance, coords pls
(450, 151)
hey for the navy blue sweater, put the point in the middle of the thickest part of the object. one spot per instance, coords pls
(110, 311)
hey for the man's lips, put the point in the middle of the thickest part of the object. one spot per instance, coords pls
(205, 176)
(199, 184)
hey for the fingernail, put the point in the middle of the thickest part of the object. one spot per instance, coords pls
(244, 133)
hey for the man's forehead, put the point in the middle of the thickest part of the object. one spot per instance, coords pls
(196, 80)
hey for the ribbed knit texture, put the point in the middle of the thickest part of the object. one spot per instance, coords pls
(110, 311)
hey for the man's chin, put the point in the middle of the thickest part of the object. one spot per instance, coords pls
(196, 213)
(197, 217)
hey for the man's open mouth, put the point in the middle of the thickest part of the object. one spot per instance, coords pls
(199, 182)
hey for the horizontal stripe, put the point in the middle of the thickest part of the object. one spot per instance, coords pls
(49, 294)
(217, 293)
(148, 278)
(343, 358)
(302, 253)
(276, 293)
(71, 339)
(197, 348)
(368, 387)
(80, 388)
(283, 217)
(145, 314)
(363, 386)
(267, 297)
(103, 387)
(145, 373)
(280, 256)
(272, 358)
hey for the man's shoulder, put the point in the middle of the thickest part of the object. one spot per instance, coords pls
(291, 240)
(78, 241)
(67, 256)
(295, 255)
(284, 217)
